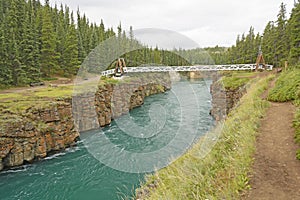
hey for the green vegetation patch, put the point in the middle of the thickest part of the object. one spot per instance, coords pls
(287, 87)
(223, 172)
(19, 101)
(232, 80)
(297, 129)
(54, 92)
(106, 80)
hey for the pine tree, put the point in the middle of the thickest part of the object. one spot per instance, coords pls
(281, 38)
(13, 49)
(5, 71)
(294, 29)
(48, 53)
(29, 47)
(101, 32)
(119, 30)
(61, 33)
(71, 52)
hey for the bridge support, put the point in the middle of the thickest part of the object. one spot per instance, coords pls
(260, 61)
(195, 75)
(120, 67)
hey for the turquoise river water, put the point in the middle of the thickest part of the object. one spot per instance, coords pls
(77, 174)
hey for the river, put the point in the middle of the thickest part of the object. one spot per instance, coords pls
(77, 174)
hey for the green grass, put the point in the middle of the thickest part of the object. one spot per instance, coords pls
(106, 80)
(234, 79)
(296, 124)
(244, 73)
(18, 102)
(223, 172)
(239, 73)
(62, 91)
(7, 96)
(233, 83)
(287, 87)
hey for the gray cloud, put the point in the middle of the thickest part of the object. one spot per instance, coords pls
(209, 23)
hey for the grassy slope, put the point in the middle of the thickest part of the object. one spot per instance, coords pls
(222, 174)
(234, 80)
(287, 88)
(15, 105)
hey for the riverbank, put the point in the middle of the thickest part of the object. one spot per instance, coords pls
(223, 173)
(37, 122)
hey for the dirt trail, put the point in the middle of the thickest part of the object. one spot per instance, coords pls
(276, 171)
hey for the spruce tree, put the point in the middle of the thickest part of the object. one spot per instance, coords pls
(29, 47)
(48, 53)
(281, 38)
(5, 70)
(268, 43)
(294, 29)
(61, 33)
(12, 44)
(71, 51)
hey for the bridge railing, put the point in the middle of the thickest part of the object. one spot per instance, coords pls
(236, 67)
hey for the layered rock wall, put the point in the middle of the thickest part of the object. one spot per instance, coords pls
(57, 126)
(224, 99)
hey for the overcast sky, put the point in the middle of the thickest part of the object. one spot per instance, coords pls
(207, 22)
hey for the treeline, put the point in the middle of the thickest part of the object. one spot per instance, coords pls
(279, 42)
(39, 41)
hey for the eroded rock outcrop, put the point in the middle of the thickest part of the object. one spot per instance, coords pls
(34, 135)
(224, 99)
(37, 133)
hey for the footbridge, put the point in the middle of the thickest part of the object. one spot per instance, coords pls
(235, 67)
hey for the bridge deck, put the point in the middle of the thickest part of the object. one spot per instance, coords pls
(236, 67)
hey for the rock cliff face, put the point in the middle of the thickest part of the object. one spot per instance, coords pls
(44, 130)
(39, 132)
(224, 99)
(91, 110)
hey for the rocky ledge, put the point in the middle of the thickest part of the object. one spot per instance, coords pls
(43, 130)
(224, 99)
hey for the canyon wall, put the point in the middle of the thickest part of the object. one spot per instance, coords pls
(55, 127)
(224, 99)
